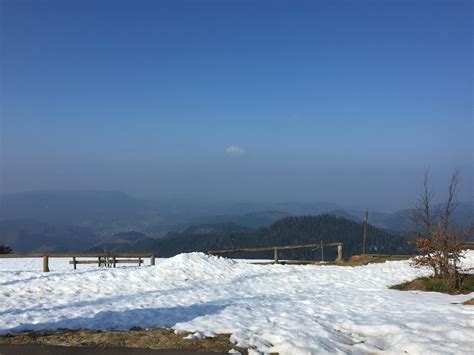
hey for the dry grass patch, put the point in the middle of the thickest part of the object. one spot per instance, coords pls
(157, 338)
(436, 284)
(469, 302)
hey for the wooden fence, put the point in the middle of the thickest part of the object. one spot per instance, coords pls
(468, 245)
(101, 259)
(275, 250)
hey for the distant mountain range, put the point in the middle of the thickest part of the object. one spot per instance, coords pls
(105, 212)
(125, 241)
(251, 220)
(110, 212)
(287, 231)
(79, 220)
(25, 236)
(401, 221)
(291, 208)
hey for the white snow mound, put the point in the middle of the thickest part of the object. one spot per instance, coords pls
(267, 308)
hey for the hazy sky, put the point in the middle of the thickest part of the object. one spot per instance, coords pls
(341, 101)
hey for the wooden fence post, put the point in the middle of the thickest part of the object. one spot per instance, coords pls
(152, 260)
(339, 253)
(275, 255)
(45, 263)
(74, 262)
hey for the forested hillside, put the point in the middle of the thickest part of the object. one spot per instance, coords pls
(33, 236)
(288, 231)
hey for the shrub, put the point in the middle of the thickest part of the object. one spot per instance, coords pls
(439, 242)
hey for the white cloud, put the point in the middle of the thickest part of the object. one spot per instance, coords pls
(295, 116)
(234, 150)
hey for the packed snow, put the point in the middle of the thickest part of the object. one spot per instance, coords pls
(305, 309)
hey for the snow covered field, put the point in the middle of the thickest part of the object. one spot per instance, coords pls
(270, 308)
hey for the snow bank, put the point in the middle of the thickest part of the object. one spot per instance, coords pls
(271, 308)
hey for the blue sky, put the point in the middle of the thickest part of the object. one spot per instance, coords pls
(341, 101)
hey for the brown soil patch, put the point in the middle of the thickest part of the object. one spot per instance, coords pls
(469, 302)
(151, 339)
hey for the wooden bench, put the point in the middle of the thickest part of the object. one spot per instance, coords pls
(104, 261)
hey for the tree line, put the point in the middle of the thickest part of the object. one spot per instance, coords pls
(289, 231)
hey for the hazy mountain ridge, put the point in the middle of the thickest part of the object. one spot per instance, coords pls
(402, 220)
(111, 212)
(288, 231)
(25, 236)
(78, 220)
(226, 227)
(291, 208)
(124, 242)
(251, 219)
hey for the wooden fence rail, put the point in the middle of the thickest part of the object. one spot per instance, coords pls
(79, 255)
(468, 245)
(103, 259)
(275, 250)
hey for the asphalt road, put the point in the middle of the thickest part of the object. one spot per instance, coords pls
(60, 350)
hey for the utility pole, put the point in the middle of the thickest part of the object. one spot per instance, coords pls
(366, 212)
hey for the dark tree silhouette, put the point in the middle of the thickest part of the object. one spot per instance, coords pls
(4, 249)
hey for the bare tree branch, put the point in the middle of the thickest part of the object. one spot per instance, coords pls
(451, 202)
(440, 242)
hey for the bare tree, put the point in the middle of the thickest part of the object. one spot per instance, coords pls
(437, 239)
